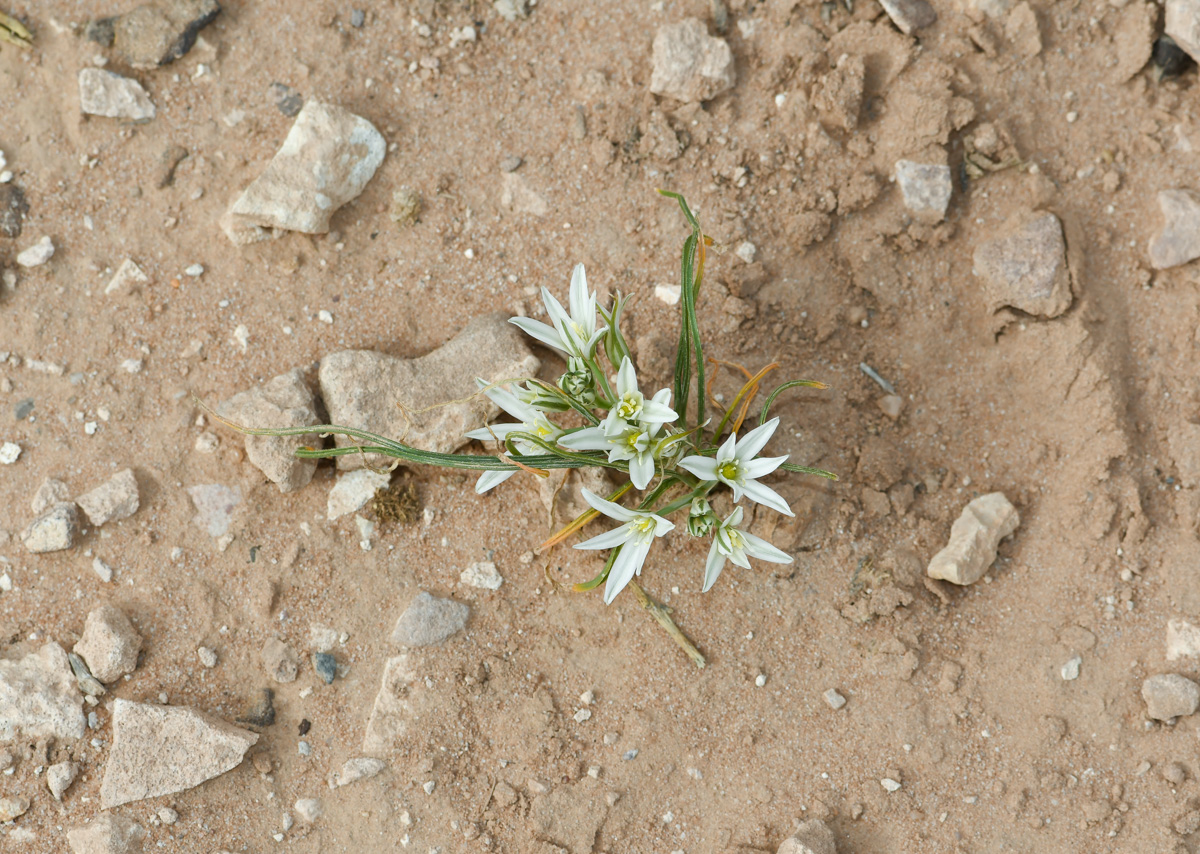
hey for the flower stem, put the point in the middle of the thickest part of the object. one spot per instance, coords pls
(662, 614)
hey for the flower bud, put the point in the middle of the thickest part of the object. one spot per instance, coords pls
(577, 381)
(700, 518)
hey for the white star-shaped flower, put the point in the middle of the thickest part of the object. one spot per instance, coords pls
(736, 467)
(634, 539)
(737, 546)
(529, 420)
(575, 334)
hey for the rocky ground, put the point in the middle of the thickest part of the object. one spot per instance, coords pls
(977, 221)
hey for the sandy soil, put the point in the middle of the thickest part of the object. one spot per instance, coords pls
(1087, 422)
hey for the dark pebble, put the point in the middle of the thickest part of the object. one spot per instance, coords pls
(21, 410)
(100, 32)
(325, 665)
(262, 713)
(287, 99)
(357, 18)
(305, 726)
(1170, 58)
(12, 209)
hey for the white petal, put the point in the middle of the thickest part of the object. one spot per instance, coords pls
(704, 468)
(735, 518)
(608, 508)
(728, 450)
(546, 334)
(654, 412)
(712, 567)
(492, 478)
(756, 491)
(624, 568)
(641, 470)
(587, 439)
(500, 431)
(756, 440)
(626, 378)
(761, 549)
(607, 540)
(579, 294)
(661, 526)
(762, 466)
(738, 558)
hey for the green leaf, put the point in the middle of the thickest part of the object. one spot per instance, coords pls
(762, 416)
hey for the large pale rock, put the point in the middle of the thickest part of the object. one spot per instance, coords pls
(159, 750)
(689, 64)
(974, 537)
(1183, 25)
(285, 401)
(110, 644)
(115, 499)
(1169, 695)
(39, 697)
(429, 402)
(1179, 240)
(102, 93)
(392, 709)
(811, 837)
(326, 160)
(1026, 267)
(107, 834)
(429, 620)
(926, 188)
(53, 530)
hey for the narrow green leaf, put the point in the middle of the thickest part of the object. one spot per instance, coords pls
(762, 416)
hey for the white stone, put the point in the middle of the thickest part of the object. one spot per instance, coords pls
(1070, 671)
(51, 492)
(392, 710)
(746, 251)
(127, 277)
(39, 697)
(115, 499)
(689, 64)
(890, 784)
(37, 254)
(60, 776)
(834, 698)
(109, 644)
(357, 769)
(52, 530)
(1183, 640)
(926, 188)
(1183, 25)
(974, 537)
(810, 837)
(483, 575)
(207, 656)
(103, 93)
(9, 453)
(353, 490)
(669, 294)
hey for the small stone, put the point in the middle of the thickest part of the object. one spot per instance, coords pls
(115, 499)
(510, 164)
(321, 638)
(110, 644)
(161, 31)
(667, 294)
(103, 93)
(326, 160)
(630, 755)
(357, 18)
(429, 786)
(167, 815)
(107, 834)
(51, 492)
(207, 443)
(518, 195)
(287, 100)
(689, 64)
(214, 507)
(910, 15)
(285, 401)
(60, 776)
(37, 254)
(207, 656)
(890, 784)
(391, 711)
(39, 697)
(891, 405)
(1174, 773)
(325, 666)
(1179, 240)
(128, 276)
(974, 537)
(583, 715)
(1070, 670)
(53, 530)
(361, 768)
(811, 837)
(926, 188)
(262, 713)
(483, 575)
(1026, 267)
(12, 808)
(429, 620)
(1183, 26)
(1169, 695)
(279, 661)
(406, 207)
(10, 452)
(1183, 640)
(353, 490)
(194, 270)
(13, 208)
(88, 684)
(309, 809)
(304, 748)
(834, 698)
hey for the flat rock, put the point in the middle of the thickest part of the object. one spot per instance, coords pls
(52, 530)
(39, 697)
(115, 499)
(285, 401)
(357, 769)
(59, 778)
(1179, 240)
(1169, 695)
(159, 750)
(51, 492)
(309, 809)
(1183, 25)
(160, 32)
(429, 620)
(353, 490)
(392, 708)
(1183, 640)
(1026, 267)
(107, 834)
(214, 504)
(811, 837)
(926, 188)
(689, 64)
(103, 93)
(974, 537)
(326, 160)
(909, 15)
(373, 391)
(110, 644)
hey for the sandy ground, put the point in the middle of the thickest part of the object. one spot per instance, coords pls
(1087, 422)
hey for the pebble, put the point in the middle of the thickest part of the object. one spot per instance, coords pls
(60, 776)
(10, 452)
(517, 194)
(167, 815)
(892, 405)
(834, 699)
(357, 18)
(326, 160)
(279, 661)
(926, 188)
(128, 276)
(52, 530)
(287, 100)
(304, 748)
(583, 715)
(668, 294)
(511, 163)
(810, 837)
(160, 750)
(107, 834)
(39, 697)
(1026, 266)
(483, 575)
(13, 208)
(1183, 25)
(353, 490)
(1169, 695)
(309, 809)
(103, 570)
(160, 31)
(429, 786)
(974, 537)
(37, 254)
(1183, 640)
(357, 769)
(103, 93)
(88, 684)
(910, 15)
(429, 620)
(325, 666)
(406, 206)
(689, 64)
(214, 505)
(110, 644)
(194, 270)
(207, 656)
(115, 499)
(321, 638)
(364, 389)
(630, 755)
(12, 808)
(1178, 242)
(890, 784)
(1070, 671)
(283, 401)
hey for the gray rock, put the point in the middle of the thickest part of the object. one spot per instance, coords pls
(373, 391)
(1183, 25)
(1179, 240)
(113, 500)
(354, 770)
(326, 160)
(162, 31)
(392, 709)
(285, 401)
(214, 507)
(689, 64)
(51, 492)
(102, 93)
(325, 666)
(974, 537)
(811, 837)
(110, 644)
(926, 188)
(107, 834)
(39, 697)
(159, 750)
(429, 620)
(88, 683)
(60, 776)
(1169, 695)
(279, 661)
(286, 99)
(53, 530)
(1026, 268)
(909, 15)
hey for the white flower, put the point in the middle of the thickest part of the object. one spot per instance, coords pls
(575, 334)
(736, 467)
(634, 539)
(635, 442)
(631, 404)
(737, 546)
(530, 419)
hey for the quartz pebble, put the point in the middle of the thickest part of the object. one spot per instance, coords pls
(482, 575)
(1169, 695)
(103, 570)
(974, 537)
(207, 656)
(926, 188)
(1183, 640)
(834, 699)
(1070, 671)
(890, 784)
(37, 254)
(60, 776)
(53, 530)
(353, 490)
(309, 809)
(10, 452)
